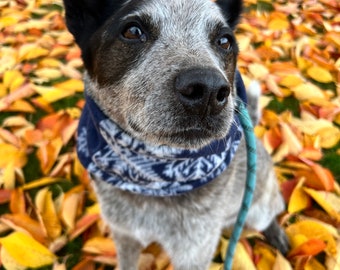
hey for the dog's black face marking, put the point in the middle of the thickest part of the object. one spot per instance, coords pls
(136, 56)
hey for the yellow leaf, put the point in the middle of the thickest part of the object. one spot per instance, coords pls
(69, 209)
(281, 263)
(9, 262)
(6, 21)
(54, 94)
(320, 74)
(46, 208)
(216, 266)
(299, 200)
(291, 81)
(241, 259)
(71, 85)
(7, 176)
(8, 58)
(307, 91)
(259, 71)
(313, 264)
(313, 230)
(289, 137)
(31, 51)
(311, 127)
(48, 73)
(49, 63)
(278, 24)
(21, 106)
(329, 201)
(16, 121)
(41, 182)
(11, 154)
(267, 257)
(333, 262)
(24, 223)
(13, 79)
(26, 251)
(329, 136)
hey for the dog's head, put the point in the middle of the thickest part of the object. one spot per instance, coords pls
(163, 70)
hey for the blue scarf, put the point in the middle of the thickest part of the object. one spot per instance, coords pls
(110, 154)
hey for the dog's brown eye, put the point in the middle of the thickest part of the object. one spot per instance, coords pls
(224, 42)
(134, 32)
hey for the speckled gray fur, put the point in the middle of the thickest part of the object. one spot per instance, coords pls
(133, 83)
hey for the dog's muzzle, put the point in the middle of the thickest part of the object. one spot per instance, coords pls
(202, 91)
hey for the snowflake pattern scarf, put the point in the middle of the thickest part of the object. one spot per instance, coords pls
(110, 154)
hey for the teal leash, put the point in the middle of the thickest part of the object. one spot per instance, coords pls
(250, 183)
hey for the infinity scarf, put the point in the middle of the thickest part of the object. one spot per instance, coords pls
(110, 154)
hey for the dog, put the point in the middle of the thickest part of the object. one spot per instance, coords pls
(159, 133)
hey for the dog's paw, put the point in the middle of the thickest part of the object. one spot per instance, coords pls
(277, 238)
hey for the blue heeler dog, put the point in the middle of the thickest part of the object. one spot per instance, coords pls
(159, 134)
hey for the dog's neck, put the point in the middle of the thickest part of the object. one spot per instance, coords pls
(110, 154)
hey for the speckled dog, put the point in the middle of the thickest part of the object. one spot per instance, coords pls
(159, 133)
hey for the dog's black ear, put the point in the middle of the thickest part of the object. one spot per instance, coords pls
(232, 10)
(84, 17)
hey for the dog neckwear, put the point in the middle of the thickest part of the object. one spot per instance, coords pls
(110, 154)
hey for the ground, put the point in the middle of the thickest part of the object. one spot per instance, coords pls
(49, 214)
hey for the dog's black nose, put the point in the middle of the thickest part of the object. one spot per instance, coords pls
(202, 91)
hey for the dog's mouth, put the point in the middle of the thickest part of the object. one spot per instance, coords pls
(184, 137)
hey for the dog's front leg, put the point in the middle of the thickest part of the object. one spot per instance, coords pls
(193, 252)
(128, 249)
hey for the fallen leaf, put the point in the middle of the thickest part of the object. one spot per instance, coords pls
(26, 251)
(100, 246)
(299, 200)
(48, 213)
(281, 263)
(311, 247)
(10, 154)
(320, 74)
(41, 182)
(329, 201)
(316, 235)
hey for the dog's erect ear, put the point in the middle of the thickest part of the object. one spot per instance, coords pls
(84, 17)
(232, 10)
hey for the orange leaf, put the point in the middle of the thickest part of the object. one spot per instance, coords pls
(309, 248)
(100, 246)
(24, 91)
(17, 204)
(305, 230)
(48, 154)
(83, 224)
(318, 177)
(22, 222)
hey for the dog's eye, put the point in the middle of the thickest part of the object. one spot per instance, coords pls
(224, 42)
(134, 32)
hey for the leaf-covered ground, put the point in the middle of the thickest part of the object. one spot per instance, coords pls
(49, 215)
